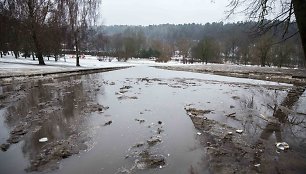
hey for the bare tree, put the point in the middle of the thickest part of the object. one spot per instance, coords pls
(244, 50)
(207, 50)
(165, 49)
(282, 54)
(10, 27)
(184, 47)
(36, 14)
(80, 15)
(32, 15)
(262, 49)
(280, 11)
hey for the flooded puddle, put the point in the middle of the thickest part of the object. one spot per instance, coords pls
(147, 120)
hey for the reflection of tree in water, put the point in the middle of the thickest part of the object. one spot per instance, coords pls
(255, 104)
(27, 102)
(282, 115)
(261, 105)
(54, 110)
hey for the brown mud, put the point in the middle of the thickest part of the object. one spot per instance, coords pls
(234, 151)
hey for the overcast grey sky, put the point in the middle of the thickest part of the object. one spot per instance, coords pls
(146, 12)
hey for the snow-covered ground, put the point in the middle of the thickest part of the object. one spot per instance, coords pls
(10, 66)
(87, 62)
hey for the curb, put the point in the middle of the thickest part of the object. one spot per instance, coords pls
(75, 72)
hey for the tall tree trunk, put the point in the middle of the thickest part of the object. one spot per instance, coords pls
(33, 56)
(77, 55)
(300, 15)
(34, 33)
(40, 59)
(16, 54)
(77, 48)
(38, 49)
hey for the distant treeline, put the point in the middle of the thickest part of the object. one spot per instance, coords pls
(238, 43)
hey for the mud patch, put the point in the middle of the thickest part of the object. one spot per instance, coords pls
(125, 97)
(53, 152)
(95, 107)
(197, 112)
(146, 155)
(233, 150)
(148, 161)
(227, 152)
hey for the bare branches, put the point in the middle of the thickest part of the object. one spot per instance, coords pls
(80, 15)
(39, 17)
(269, 13)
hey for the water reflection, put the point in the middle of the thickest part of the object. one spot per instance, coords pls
(281, 113)
(281, 125)
(54, 109)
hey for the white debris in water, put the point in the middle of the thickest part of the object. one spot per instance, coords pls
(282, 146)
(230, 133)
(239, 131)
(199, 133)
(42, 140)
(257, 165)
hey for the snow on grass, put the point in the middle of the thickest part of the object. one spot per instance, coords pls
(87, 62)
(10, 66)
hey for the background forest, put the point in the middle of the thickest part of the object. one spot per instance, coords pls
(237, 43)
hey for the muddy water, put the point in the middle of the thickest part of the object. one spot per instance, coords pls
(108, 118)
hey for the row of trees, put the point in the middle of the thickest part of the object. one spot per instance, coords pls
(43, 27)
(264, 50)
(281, 13)
(216, 42)
(49, 27)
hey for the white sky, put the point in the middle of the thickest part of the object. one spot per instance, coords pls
(146, 12)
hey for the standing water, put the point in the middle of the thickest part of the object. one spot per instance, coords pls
(131, 121)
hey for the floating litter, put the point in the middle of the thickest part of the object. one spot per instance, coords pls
(282, 146)
(42, 140)
(257, 165)
(239, 131)
(199, 133)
